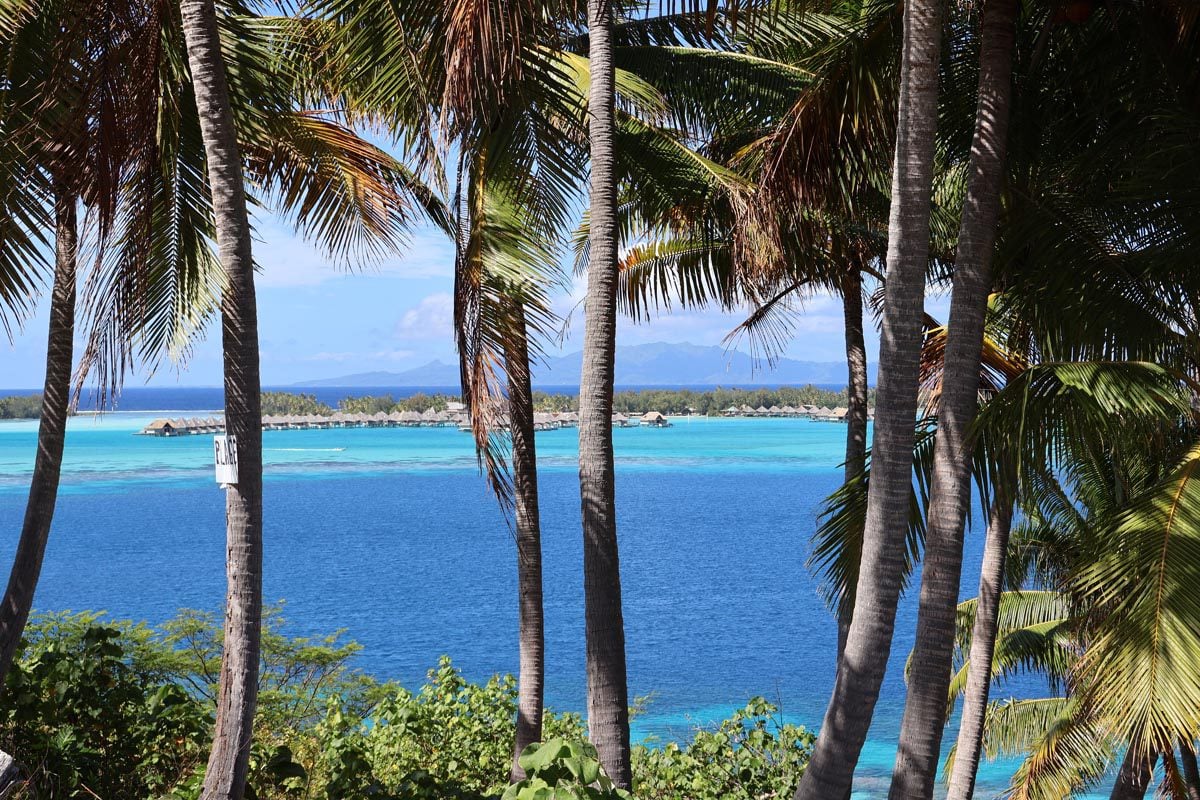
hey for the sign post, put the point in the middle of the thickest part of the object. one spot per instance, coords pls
(226, 459)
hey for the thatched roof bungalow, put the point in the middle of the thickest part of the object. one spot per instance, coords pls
(160, 427)
(654, 419)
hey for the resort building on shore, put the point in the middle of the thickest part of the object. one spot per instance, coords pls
(456, 415)
(823, 413)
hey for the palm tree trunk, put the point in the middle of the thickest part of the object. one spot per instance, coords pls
(225, 778)
(950, 493)
(856, 365)
(856, 417)
(830, 771)
(52, 427)
(983, 647)
(1133, 779)
(608, 692)
(1191, 773)
(530, 688)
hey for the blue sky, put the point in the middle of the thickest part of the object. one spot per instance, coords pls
(317, 321)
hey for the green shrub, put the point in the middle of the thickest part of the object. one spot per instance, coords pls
(563, 770)
(87, 723)
(111, 709)
(749, 755)
(450, 739)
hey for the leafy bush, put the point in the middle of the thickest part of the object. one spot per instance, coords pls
(111, 709)
(563, 770)
(85, 722)
(450, 739)
(749, 756)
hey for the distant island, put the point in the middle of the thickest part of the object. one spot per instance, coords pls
(658, 364)
(678, 402)
(26, 406)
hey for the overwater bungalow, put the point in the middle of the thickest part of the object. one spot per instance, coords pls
(761, 411)
(789, 411)
(159, 427)
(775, 411)
(654, 419)
(429, 417)
(732, 411)
(619, 420)
(840, 413)
(410, 418)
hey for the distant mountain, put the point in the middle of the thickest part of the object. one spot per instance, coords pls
(657, 364)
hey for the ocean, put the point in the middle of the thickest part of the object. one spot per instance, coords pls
(392, 534)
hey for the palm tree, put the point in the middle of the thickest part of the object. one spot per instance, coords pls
(860, 674)
(608, 688)
(531, 687)
(43, 491)
(502, 266)
(229, 760)
(950, 495)
(75, 119)
(132, 148)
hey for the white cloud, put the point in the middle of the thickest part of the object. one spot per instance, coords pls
(432, 318)
(287, 260)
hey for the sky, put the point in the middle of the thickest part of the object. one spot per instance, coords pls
(317, 321)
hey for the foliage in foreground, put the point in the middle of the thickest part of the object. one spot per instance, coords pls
(111, 709)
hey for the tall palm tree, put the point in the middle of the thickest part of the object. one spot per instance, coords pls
(531, 687)
(75, 118)
(860, 674)
(133, 151)
(503, 265)
(950, 495)
(229, 760)
(43, 491)
(608, 687)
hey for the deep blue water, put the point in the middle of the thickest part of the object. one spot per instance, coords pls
(393, 535)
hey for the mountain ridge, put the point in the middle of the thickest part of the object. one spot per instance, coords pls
(654, 364)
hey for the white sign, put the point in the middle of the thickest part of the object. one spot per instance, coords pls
(225, 457)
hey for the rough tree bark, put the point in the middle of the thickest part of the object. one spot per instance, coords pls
(950, 491)
(856, 416)
(983, 647)
(47, 464)
(608, 692)
(531, 681)
(1133, 779)
(1191, 772)
(830, 772)
(225, 778)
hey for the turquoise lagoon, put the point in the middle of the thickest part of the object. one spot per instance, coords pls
(392, 534)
